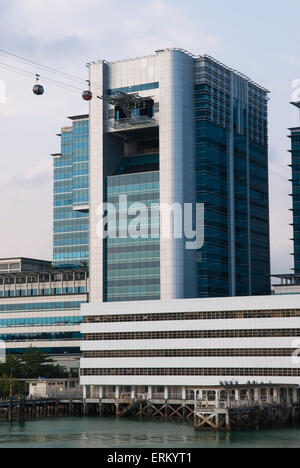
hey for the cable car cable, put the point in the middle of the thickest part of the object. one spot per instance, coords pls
(32, 62)
(50, 69)
(45, 78)
(32, 75)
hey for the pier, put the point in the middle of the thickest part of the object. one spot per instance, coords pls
(227, 407)
(251, 407)
(21, 410)
(231, 407)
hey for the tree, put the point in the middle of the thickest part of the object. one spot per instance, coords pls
(14, 365)
(18, 388)
(37, 364)
(31, 365)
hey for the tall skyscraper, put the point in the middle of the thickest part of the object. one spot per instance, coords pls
(173, 128)
(295, 164)
(71, 196)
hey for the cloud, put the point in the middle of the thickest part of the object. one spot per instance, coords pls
(70, 27)
(35, 175)
(38, 173)
(4, 179)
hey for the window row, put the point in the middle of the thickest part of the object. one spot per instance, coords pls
(148, 353)
(227, 372)
(193, 334)
(215, 315)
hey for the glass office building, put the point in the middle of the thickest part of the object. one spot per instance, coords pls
(232, 181)
(40, 307)
(71, 196)
(208, 127)
(132, 266)
(295, 165)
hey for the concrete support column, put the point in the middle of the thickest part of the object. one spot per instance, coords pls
(237, 396)
(149, 392)
(256, 394)
(101, 392)
(84, 392)
(117, 393)
(295, 395)
(217, 399)
(166, 393)
(132, 393)
(228, 399)
(183, 393)
(228, 421)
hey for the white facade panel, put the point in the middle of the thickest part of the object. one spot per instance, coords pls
(190, 325)
(190, 381)
(97, 79)
(196, 305)
(190, 362)
(215, 343)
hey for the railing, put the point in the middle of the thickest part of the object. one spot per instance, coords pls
(109, 396)
(132, 122)
(158, 396)
(58, 396)
(239, 404)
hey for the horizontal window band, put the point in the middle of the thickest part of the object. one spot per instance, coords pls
(250, 352)
(215, 315)
(193, 334)
(226, 372)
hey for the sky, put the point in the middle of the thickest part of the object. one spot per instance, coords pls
(261, 39)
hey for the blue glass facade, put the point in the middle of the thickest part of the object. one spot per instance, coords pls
(71, 196)
(132, 266)
(19, 320)
(295, 152)
(135, 88)
(232, 182)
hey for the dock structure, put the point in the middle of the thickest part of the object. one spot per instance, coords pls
(237, 407)
(227, 407)
(21, 410)
(141, 403)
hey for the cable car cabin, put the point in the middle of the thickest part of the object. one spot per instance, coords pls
(38, 90)
(87, 96)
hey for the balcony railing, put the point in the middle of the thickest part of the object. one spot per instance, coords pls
(124, 124)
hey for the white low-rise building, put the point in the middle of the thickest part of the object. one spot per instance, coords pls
(162, 347)
(53, 388)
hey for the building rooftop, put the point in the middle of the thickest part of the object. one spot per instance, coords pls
(27, 259)
(79, 117)
(196, 57)
(22, 264)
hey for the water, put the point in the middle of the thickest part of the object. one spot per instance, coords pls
(112, 433)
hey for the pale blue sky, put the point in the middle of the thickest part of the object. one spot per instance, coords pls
(259, 38)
